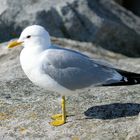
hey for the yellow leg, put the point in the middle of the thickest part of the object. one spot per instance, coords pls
(60, 119)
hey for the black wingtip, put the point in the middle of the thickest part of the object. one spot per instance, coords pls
(129, 78)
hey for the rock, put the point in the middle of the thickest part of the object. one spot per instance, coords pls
(119, 1)
(135, 132)
(132, 5)
(103, 22)
(102, 113)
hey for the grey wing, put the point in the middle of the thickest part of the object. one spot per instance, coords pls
(75, 71)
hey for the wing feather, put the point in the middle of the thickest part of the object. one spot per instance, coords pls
(74, 70)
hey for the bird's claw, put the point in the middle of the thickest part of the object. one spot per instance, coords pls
(56, 117)
(57, 122)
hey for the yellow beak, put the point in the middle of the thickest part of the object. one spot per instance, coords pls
(14, 44)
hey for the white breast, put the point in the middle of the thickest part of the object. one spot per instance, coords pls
(31, 65)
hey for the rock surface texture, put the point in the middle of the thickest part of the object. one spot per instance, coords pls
(103, 22)
(106, 113)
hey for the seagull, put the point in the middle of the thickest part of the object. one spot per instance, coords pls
(64, 71)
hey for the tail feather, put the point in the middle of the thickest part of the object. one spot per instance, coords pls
(129, 78)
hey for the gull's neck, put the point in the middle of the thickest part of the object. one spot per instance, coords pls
(32, 52)
(37, 44)
(36, 48)
(30, 56)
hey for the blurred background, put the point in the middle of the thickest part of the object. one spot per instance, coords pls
(111, 24)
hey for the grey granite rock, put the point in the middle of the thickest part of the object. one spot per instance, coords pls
(103, 22)
(132, 5)
(106, 113)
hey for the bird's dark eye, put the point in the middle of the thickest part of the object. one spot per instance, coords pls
(29, 36)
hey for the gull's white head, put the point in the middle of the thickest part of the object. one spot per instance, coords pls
(33, 36)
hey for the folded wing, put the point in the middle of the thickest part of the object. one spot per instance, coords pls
(75, 71)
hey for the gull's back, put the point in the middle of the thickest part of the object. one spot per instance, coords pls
(74, 70)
